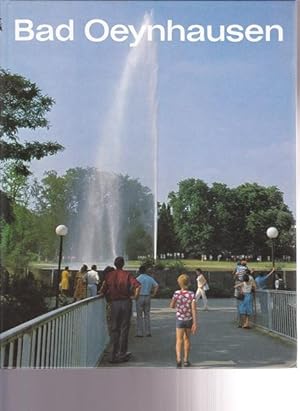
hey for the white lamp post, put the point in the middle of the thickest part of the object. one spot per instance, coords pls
(272, 233)
(61, 231)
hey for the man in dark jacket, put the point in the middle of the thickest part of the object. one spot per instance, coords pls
(120, 287)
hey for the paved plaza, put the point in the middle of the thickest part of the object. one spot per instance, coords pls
(217, 344)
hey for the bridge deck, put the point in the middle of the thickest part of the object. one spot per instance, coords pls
(218, 342)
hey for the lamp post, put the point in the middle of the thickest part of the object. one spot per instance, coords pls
(272, 233)
(61, 231)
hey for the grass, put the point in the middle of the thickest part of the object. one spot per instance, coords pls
(193, 264)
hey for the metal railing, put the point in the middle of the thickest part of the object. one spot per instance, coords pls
(72, 336)
(276, 312)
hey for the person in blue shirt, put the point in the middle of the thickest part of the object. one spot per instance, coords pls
(148, 289)
(261, 279)
(261, 284)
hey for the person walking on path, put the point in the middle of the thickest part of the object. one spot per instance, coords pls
(92, 278)
(202, 286)
(247, 289)
(64, 286)
(80, 283)
(118, 287)
(186, 323)
(148, 289)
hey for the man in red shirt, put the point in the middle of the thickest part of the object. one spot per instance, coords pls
(120, 287)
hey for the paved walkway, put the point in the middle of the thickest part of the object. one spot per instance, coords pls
(217, 344)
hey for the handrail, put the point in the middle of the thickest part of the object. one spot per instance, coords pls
(8, 334)
(71, 336)
(276, 312)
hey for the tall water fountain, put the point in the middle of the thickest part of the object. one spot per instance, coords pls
(127, 147)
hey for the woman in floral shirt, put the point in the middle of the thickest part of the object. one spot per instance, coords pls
(184, 302)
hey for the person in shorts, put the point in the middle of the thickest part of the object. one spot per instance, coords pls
(184, 302)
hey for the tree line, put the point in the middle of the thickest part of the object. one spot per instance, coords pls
(219, 220)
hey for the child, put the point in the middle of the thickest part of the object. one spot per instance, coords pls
(184, 302)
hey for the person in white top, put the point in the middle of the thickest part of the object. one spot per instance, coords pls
(247, 289)
(202, 286)
(92, 278)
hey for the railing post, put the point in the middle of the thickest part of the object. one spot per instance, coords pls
(270, 309)
(25, 358)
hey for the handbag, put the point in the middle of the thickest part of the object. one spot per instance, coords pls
(240, 296)
(206, 287)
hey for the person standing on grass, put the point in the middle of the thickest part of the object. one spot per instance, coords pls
(186, 323)
(148, 289)
(202, 286)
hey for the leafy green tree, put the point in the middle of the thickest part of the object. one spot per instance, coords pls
(167, 241)
(22, 105)
(259, 208)
(230, 221)
(138, 243)
(191, 216)
(18, 236)
(221, 204)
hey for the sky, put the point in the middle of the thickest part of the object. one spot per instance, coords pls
(226, 111)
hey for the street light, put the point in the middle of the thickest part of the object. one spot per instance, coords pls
(272, 233)
(61, 231)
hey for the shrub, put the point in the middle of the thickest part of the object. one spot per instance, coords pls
(177, 266)
(25, 299)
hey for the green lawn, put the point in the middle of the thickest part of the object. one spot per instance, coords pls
(192, 265)
(221, 265)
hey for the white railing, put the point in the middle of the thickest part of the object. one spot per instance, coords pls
(276, 312)
(72, 336)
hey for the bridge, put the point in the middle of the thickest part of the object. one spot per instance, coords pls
(77, 336)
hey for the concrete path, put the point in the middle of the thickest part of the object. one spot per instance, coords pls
(217, 344)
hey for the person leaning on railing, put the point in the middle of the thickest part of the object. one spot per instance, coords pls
(261, 279)
(261, 284)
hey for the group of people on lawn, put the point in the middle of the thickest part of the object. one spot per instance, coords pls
(120, 288)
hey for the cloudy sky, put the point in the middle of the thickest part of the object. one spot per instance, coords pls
(226, 111)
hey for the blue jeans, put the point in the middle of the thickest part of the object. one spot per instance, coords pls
(143, 315)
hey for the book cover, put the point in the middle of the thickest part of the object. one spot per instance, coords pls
(163, 132)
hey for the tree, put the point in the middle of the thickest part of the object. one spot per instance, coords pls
(95, 206)
(224, 220)
(18, 236)
(138, 243)
(257, 209)
(6, 209)
(221, 205)
(22, 105)
(167, 241)
(191, 216)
